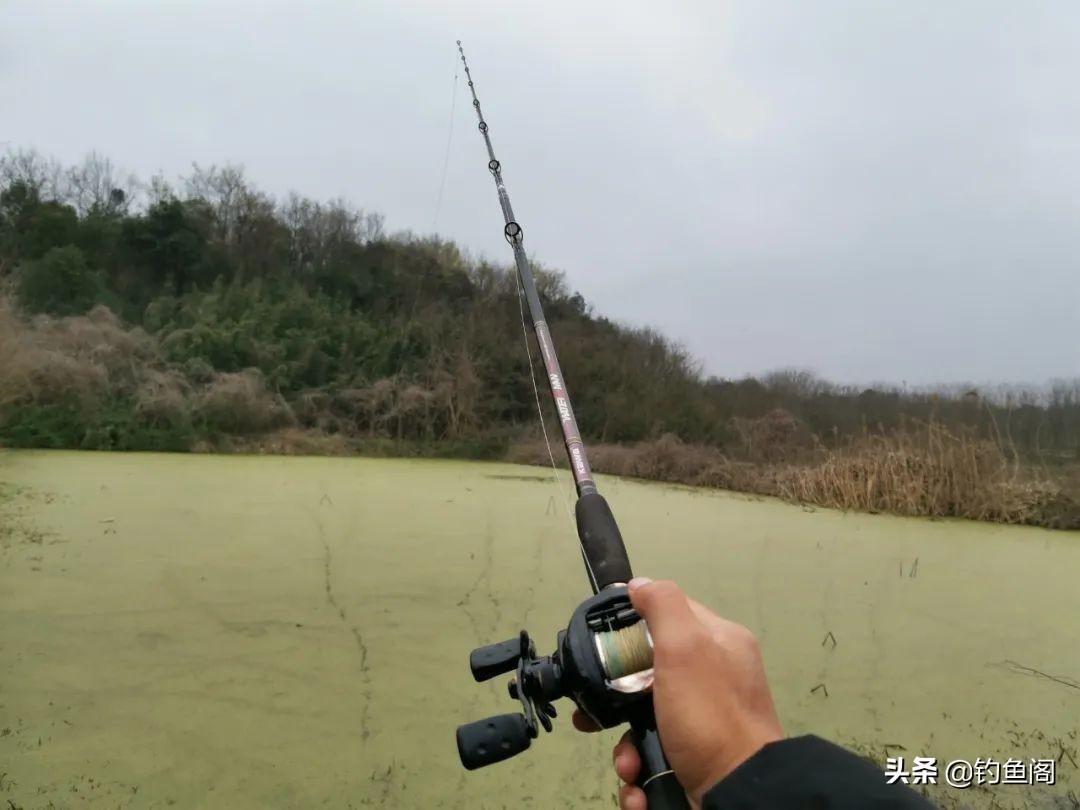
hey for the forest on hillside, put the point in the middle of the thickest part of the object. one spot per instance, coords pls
(206, 314)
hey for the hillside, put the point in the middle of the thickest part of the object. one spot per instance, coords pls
(208, 315)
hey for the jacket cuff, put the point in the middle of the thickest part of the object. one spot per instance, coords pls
(808, 771)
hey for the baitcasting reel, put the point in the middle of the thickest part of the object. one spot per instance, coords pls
(602, 661)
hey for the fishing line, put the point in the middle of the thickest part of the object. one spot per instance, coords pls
(575, 447)
(625, 651)
(547, 442)
(446, 158)
(543, 427)
(524, 328)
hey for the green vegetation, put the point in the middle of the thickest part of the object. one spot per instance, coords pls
(59, 282)
(211, 316)
(268, 623)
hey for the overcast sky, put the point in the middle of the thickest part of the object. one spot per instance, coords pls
(875, 191)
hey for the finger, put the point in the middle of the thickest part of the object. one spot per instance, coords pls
(666, 609)
(582, 721)
(627, 759)
(631, 797)
(704, 615)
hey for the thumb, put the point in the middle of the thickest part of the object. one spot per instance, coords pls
(665, 608)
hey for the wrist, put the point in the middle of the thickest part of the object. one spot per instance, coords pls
(727, 761)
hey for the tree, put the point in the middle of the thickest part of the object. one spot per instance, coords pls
(59, 283)
(96, 186)
(245, 221)
(29, 226)
(43, 176)
(167, 246)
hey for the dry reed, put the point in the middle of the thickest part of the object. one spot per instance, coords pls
(922, 470)
(927, 469)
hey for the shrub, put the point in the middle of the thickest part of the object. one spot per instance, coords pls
(37, 366)
(239, 402)
(86, 382)
(55, 425)
(114, 425)
(59, 283)
(163, 400)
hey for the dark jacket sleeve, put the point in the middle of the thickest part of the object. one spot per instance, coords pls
(809, 772)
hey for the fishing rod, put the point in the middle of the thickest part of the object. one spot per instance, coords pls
(603, 660)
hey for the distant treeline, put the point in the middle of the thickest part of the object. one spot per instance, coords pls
(157, 315)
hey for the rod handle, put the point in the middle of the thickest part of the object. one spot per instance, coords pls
(601, 541)
(657, 779)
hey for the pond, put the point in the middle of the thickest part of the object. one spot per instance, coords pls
(268, 632)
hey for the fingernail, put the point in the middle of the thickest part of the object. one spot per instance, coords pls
(637, 582)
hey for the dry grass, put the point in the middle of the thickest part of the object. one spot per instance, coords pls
(664, 459)
(94, 358)
(88, 357)
(290, 441)
(240, 403)
(924, 470)
(932, 471)
(163, 397)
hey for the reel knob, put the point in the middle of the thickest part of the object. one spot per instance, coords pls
(486, 742)
(495, 659)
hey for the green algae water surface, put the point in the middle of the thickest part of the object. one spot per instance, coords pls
(261, 632)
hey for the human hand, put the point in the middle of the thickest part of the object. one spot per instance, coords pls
(712, 702)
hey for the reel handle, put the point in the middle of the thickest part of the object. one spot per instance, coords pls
(657, 779)
(495, 659)
(492, 740)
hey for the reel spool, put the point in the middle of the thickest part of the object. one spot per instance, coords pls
(625, 652)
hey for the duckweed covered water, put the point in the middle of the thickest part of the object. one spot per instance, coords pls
(260, 632)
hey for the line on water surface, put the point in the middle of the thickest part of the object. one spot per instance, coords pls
(1021, 669)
